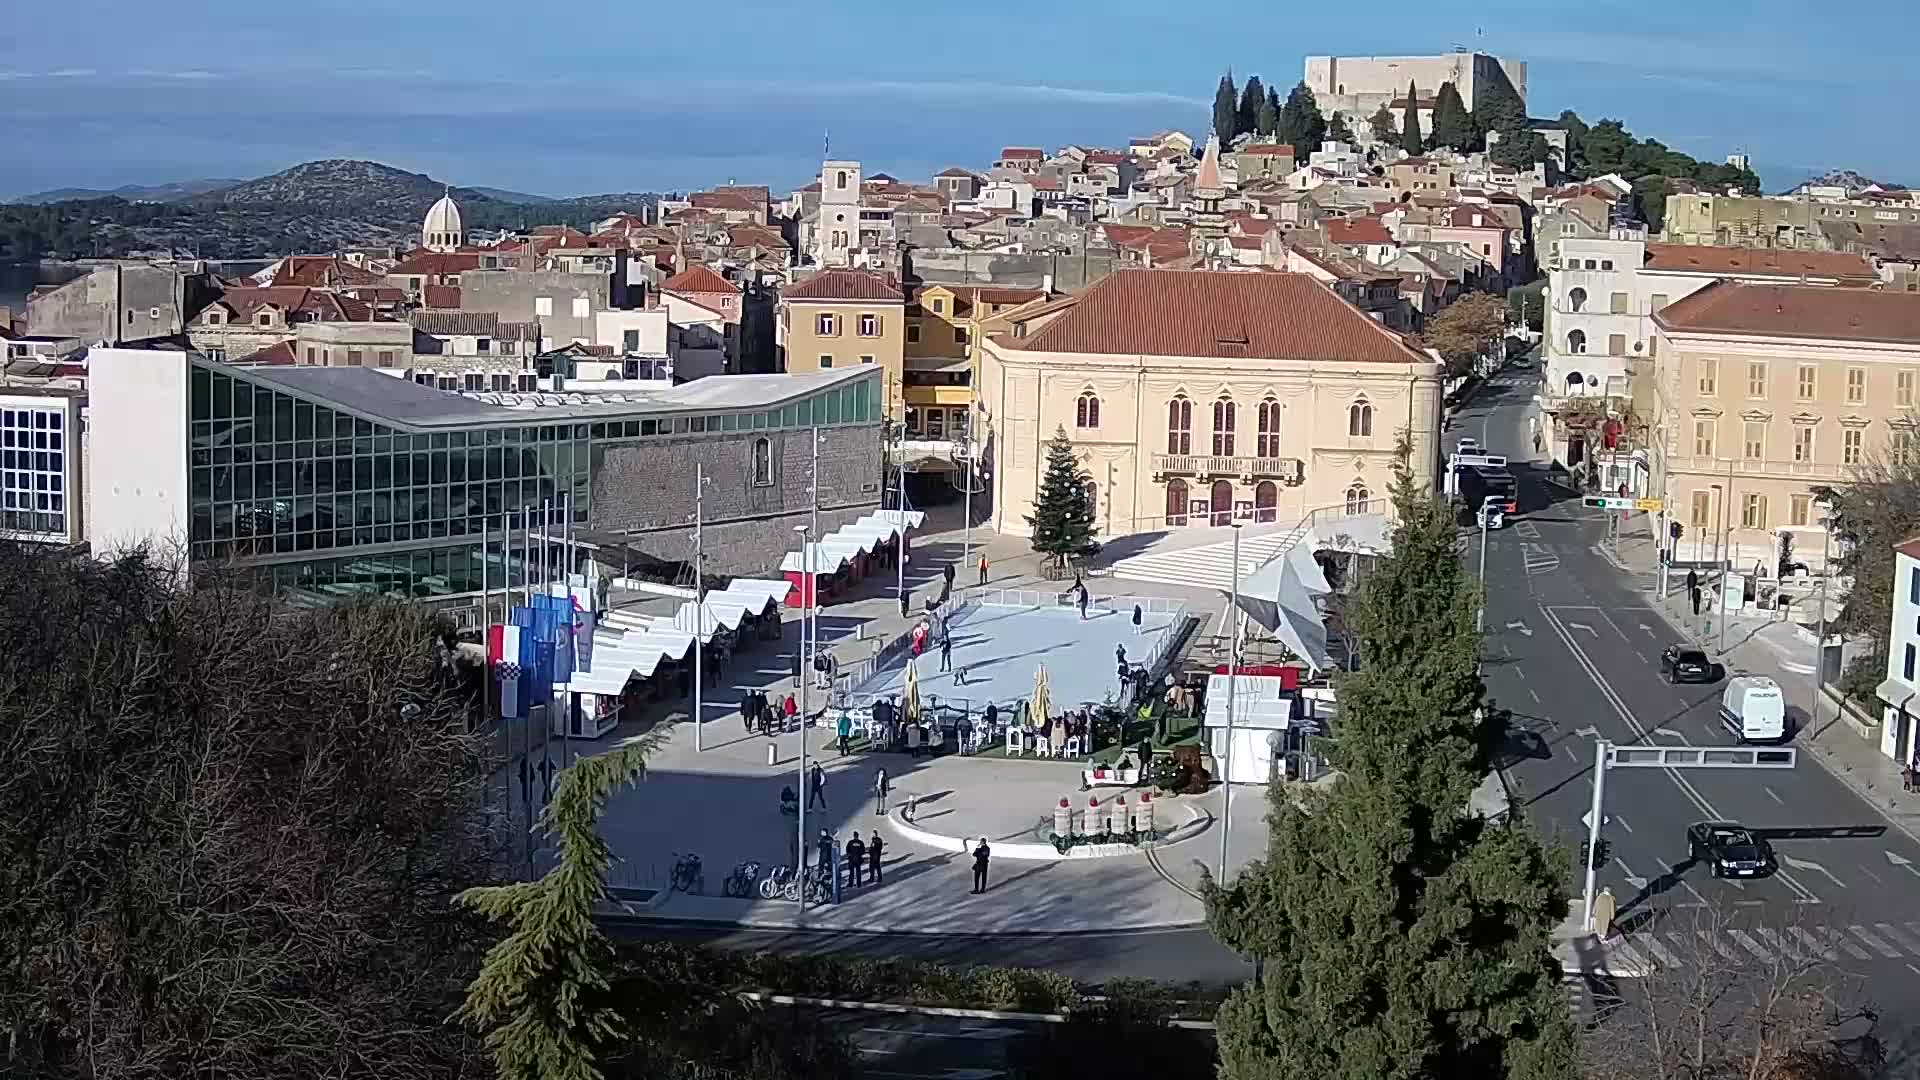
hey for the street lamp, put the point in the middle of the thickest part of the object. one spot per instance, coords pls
(1719, 512)
(807, 587)
(1233, 685)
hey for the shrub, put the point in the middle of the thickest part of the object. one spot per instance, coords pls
(1860, 679)
(1168, 774)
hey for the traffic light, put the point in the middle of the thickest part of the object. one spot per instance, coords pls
(1594, 858)
(1586, 853)
(1596, 502)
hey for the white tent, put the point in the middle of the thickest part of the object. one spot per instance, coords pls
(1283, 597)
(838, 548)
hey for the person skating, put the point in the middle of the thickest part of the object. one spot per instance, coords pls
(946, 652)
(980, 856)
(1083, 603)
(880, 791)
(983, 569)
(817, 786)
(874, 847)
(856, 860)
(903, 603)
(1137, 615)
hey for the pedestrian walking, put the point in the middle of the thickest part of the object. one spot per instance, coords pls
(947, 571)
(903, 603)
(1083, 603)
(874, 847)
(1604, 906)
(746, 711)
(983, 569)
(1120, 654)
(1137, 613)
(856, 861)
(946, 653)
(880, 791)
(980, 856)
(817, 786)
(844, 729)
(791, 709)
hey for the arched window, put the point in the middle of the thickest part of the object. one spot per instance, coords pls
(1269, 446)
(1222, 503)
(1577, 299)
(1086, 411)
(1180, 426)
(1176, 502)
(1576, 341)
(1574, 378)
(1266, 502)
(1223, 418)
(1360, 418)
(840, 180)
(1357, 498)
(1092, 488)
(762, 463)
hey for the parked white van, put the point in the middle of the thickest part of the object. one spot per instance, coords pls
(1755, 709)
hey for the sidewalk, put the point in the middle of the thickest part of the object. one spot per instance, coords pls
(1772, 648)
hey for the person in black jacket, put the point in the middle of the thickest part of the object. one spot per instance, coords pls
(874, 847)
(980, 856)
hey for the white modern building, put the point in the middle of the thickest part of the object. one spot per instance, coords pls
(1901, 688)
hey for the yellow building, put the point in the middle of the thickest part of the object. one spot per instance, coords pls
(1763, 391)
(1196, 398)
(844, 318)
(945, 325)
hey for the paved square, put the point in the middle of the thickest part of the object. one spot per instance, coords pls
(999, 646)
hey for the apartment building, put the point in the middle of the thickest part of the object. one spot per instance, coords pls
(1761, 392)
(846, 318)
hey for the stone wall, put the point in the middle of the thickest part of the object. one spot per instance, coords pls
(1069, 272)
(644, 489)
(119, 303)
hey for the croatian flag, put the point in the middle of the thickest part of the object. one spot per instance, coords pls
(503, 656)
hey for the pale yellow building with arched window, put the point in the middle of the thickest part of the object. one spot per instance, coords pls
(1198, 397)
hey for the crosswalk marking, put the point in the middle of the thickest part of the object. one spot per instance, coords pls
(1813, 946)
(1899, 937)
(1874, 943)
(1716, 945)
(1659, 951)
(1742, 939)
(1835, 936)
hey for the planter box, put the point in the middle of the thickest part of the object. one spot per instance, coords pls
(1867, 727)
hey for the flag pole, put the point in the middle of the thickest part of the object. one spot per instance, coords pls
(526, 733)
(699, 604)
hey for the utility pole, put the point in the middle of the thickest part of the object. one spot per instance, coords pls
(699, 602)
(812, 611)
(806, 602)
(1820, 639)
(1593, 828)
(1480, 616)
(1726, 563)
(900, 564)
(1233, 685)
(966, 511)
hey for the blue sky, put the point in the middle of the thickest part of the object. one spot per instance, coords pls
(580, 96)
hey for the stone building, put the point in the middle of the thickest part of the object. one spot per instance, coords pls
(1359, 85)
(122, 303)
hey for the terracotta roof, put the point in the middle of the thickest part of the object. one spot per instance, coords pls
(321, 271)
(1022, 153)
(1106, 157)
(1797, 311)
(437, 262)
(1208, 176)
(1735, 260)
(759, 193)
(846, 285)
(1462, 217)
(1245, 243)
(1219, 314)
(699, 278)
(556, 230)
(1909, 547)
(956, 171)
(315, 304)
(1267, 150)
(1128, 235)
(724, 200)
(1044, 183)
(279, 354)
(444, 297)
(1359, 230)
(457, 323)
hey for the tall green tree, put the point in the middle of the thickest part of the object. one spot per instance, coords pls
(1382, 124)
(1301, 124)
(1337, 129)
(1574, 160)
(1273, 102)
(1062, 517)
(1452, 126)
(1226, 110)
(1267, 117)
(1498, 108)
(1400, 937)
(1520, 148)
(1247, 117)
(1606, 145)
(1410, 139)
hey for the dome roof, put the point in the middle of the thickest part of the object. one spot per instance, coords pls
(443, 219)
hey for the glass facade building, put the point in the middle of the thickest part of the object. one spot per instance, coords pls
(35, 444)
(331, 500)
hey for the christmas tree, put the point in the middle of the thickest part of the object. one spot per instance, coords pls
(1062, 518)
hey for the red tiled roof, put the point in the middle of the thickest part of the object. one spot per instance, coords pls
(846, 285)
(1106, 157)
(699, 278)
(1219, 314)
(1797, 311)
(1462, 217)
(1784, 262)
(956, 171)
(724, 200)
(445, 297)
(1267, 150)
(1022, 153)
(1128, 235)
(279, 354)
(759, 193)
(1359, 230)
(1909, 547)
(318, 304)
(321, 271)
(437, 262)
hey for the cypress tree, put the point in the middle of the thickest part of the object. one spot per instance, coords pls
(1400, 936)
(1382, 124)
(1062, 517)
(1337, 129)
(1271, 114)
(1410, 124)
(1226, 111)
(1452, 126)
(1247, 117)
(1300, 123)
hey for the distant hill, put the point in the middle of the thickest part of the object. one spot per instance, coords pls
(174, 192)
(1848, 179)
(313, 207)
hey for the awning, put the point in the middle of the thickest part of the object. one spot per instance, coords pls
(1895, 692)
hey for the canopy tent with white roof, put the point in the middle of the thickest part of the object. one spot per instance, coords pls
(835, 551)
(630, 645)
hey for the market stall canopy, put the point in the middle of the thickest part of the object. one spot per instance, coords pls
(1283, 597)
(838, 548)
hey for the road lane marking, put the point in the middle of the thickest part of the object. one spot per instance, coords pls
(1659, 951)
(1741, 939)
(1778, 943)
(1633, 879)
(1871, 874)
(1713, 942)
(1583, 626)
(1770, 792)
(1674, 873)
(1836, 937)
(1534, 696)
(1622, 822)
(1899, 937)
(1810, 867)
(1874, 943)
(1814, 945)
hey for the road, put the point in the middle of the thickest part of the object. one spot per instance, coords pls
(1573, 649)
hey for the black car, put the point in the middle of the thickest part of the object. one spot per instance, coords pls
(1681, 663)
(1729, 849)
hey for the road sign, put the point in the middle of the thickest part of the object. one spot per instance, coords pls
(1607, 502)
(1652, 506)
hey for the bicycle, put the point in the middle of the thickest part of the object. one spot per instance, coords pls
(819, 885)
(687, 875)
(774, 885)
(740, 883)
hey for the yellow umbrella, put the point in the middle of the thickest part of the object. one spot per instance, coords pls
(911, 705)
(1037, 712)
